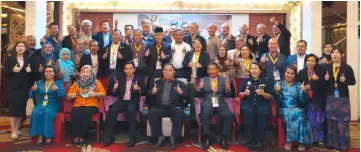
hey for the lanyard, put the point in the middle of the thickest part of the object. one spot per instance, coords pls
(158, 50)
(47, 86)
(137, 49)
(335, 71)
(114, 50)
(55, 40)
(214, 85)
(49, 62)
(196, 56)
(272, 59)
(72, 40)
(247, 64)
(310, 76)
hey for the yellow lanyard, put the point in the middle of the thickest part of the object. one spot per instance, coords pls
(137, 49)
(55, 40)
(158, 50)
(247, 64)
(196, 57)
(49, 63)
(272, 59)
(47, 86)
(335, 71)
(72, 40)
(114, 50)
(214, 84)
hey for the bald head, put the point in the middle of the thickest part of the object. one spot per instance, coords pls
(30, 42)
(261, 29)
(225, 29)
(243, 29)
(212, 29)
(273, 45)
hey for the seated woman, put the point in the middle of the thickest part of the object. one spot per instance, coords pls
(48, 93)
(86, 91)
(64, 67)
(291, 94)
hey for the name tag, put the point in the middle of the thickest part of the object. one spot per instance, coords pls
(112, 65)
(45, 103)
(276, 75)
(337, 93)
(136, 62)
(215, 102)
(159, 65)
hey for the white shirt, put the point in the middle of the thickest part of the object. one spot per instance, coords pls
(94, 59)
(113, 55)
(178, 53)
(300, 62)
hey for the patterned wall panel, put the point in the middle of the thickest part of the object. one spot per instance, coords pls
(17, 27)
(97, 18)
(338, 35)
(257, 18)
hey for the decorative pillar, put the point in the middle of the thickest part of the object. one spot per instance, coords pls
(312, 26)
(353, 55)
(35, 19)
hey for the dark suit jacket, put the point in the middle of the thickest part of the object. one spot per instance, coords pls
(99, 37)
(87, 60)
(104, 64)
(203, 59)
(263, 46)
(35, 60)
(175, 100)
(188, 39)
(254, 46)
(67, 42)
(284, 40)
(16, 80)
(207, 92)
(167, 38)
(293, 60)
(231, 44)
(153, 56)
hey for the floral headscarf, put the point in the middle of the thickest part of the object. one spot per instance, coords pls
(86, 85)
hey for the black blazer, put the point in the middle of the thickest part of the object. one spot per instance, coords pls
(188, 39)
(16, 80)
(104, 64)
(175, 100)
(254, 46)
(263, 46)
(87, 60)
(99, 37)
(203, 59)
(35, 60)
(318, 87)
(231, 44)
(347, 71)
(284, 40)
(153, 56)
(68, 43)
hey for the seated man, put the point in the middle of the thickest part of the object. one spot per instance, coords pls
(128, 91)
(214, 89)
(168, 94)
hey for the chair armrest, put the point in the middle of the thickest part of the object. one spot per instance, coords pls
(141, 103)
(197, 106)
(67, 105)
(230, 103)
(101, 105)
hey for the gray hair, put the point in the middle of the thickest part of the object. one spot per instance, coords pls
(194, 22)
(261, 26)
(138, 30)
(86, 21)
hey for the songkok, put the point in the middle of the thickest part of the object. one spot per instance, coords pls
(158, 30)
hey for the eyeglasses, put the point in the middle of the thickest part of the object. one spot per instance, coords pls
(49, 71)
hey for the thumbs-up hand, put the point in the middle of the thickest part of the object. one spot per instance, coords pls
(272, 20)
(229, 37)
(201, 85)
(41, 68)
(96, 30)
(277, 88)
(34, 87)
(16, 68)
(71, 95)
(179, 90)
(162, 55)
(115, 87)
(147, 52)
(263, 59)
(120, 56)
(155, 89)
(198, 65)
(216, 61)
(327, 76)
(190, 64)
(28, 69)
(247, 92)
(136, 87)
(314, 77)
(303, 87)
(105, 55)
(226, 62)
(324, 60)
(259, 92)
(343, 78)
(116, 22)
(250, 41)
(54, 87)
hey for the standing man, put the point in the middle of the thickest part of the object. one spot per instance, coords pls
(214, 89)
(213, 42)
(179, 49)
(226, 37)
(85, 32)
(69, 40)
(185, 29)
(262, 41)
(92, 59)
(54, 38)
(231, 54)
(139, 48)
(114, 56)
(193, 35)
(248, 38)
(169, 38)
(147, 35)
(168, 94)
(104, 37)
(273, 62)
(128, 33)
(128, 89)
(78, 53)
(283, 35)
(298, 59)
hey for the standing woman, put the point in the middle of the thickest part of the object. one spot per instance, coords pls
(326, 54)
(17, 72)
(222, 62)
(48, 93)
(242, 64)
(316, 87)
(256, 106)
(65, 67)
(86, 91)
(339, 75)
(48, 56)
(291, 96)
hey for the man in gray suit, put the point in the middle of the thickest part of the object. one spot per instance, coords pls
(214, 89)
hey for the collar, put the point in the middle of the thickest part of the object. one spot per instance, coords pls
(129, 78)
(215, 78)
(117, 44)
(304, 55)
(178, 43)
(105, 34)
(211, 37)
(259, 79)
(171, 80)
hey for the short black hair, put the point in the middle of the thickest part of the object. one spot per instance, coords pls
(250, 51)
(259, 66)
(120, 32)
(178, 30)
(51, 24)
(103, 21)
(56, 76)
(169, 64)
(93, 41)
(71, 25)
(129, 25)
(293, 68)
(302, 41)
(312, 55)
(129, 62)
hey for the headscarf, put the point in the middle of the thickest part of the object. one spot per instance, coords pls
(49, 58)
(86, 85)
(66, 65)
